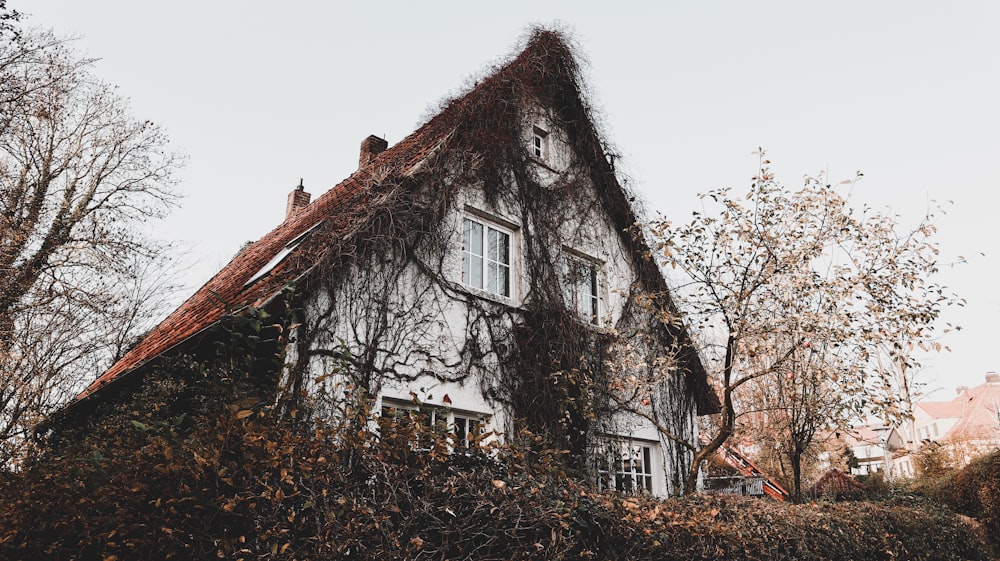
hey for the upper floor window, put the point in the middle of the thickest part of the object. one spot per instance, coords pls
(581, 286)
(540, 144)
(486, 257)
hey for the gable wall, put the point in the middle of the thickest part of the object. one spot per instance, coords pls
(422, 334)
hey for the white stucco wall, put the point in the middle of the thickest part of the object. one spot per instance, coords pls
(429, 320)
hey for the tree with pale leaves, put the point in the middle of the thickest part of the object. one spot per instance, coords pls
(795, 295)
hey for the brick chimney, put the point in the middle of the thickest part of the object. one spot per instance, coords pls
(298, 199)
(992, 378)
(371, 147)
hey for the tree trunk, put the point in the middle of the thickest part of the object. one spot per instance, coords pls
(796, 460)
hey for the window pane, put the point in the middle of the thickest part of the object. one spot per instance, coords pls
(503, 248)
(504, 280)
(476, 271)
(491, 278)
(491, 246)
(476, 234)
(472, 251)
(461, 431)
(581, 287)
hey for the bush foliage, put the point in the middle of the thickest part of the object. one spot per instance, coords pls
(973, 491)
(198, 463)
(253, 488)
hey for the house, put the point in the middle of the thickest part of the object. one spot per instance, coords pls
(873, 447)
(480, 270)
(837, 484)
(965, 427)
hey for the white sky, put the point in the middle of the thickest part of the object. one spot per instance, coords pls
(259, 94)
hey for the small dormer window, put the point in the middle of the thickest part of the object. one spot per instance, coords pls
(540, 144)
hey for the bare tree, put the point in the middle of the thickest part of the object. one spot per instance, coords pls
(80, 178)
(790, 289)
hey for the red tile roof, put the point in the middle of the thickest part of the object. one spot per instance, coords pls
(981, 419)
(337, 210)
(942, 409)
(342, 209)
(976, 409)
(334, 213)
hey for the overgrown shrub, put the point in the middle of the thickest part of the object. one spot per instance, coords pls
(973, 491)
(244, 484)
(199, 462)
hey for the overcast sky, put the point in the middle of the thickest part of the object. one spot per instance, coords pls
(260, 94)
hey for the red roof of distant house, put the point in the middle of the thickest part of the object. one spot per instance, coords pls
(836, 482)
(977, 410)
(736, 460)
(942, 409)
(981, 418)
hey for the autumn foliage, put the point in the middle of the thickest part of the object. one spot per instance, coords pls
(973, 491)
(198, 462)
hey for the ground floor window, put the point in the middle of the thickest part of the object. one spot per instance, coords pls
(625, 466)
(462, 430)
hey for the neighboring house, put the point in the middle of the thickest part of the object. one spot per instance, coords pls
(481, 269)
(836, 484)
(965, 427)
(873, 447)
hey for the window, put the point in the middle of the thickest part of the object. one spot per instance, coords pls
(485, 257)
(281, 255)
(626, 467)
(581, 283)
(461, 430)
(540, 144)
(466, 430)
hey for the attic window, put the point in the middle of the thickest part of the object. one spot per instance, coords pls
(281, 255)
(540, 144)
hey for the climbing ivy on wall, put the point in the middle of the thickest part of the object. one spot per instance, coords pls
(381, 298)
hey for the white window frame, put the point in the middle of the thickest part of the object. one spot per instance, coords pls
(455, 423)
(541, 144)
(487, 258)
(583, 286)
(626, 466)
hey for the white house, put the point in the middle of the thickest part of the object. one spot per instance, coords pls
(485, 270)
(965, 427)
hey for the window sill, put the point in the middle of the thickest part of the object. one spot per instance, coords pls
(489, 296)
(543, 164)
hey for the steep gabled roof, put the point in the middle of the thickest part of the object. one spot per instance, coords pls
(977, 411)
(262, 270)
(942, 409)
(981, 414)
(335, 212)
